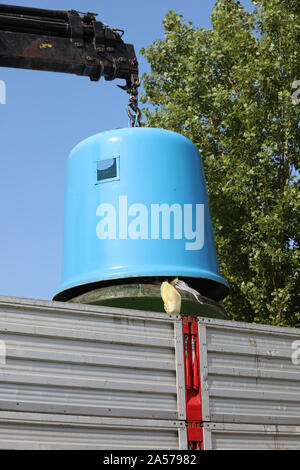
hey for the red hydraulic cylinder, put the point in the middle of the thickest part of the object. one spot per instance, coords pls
(192, 383)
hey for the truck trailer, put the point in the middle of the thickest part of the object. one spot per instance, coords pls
(75, 376)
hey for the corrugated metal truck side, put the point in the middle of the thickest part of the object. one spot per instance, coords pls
(90, 377)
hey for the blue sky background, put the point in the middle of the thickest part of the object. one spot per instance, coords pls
(45, 116)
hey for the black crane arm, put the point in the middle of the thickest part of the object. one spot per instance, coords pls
(68, 42)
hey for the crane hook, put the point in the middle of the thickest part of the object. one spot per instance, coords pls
(133, 111)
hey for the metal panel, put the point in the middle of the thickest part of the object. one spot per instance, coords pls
(247, 373)
(219, 436)
(32, 431)
(85, 360)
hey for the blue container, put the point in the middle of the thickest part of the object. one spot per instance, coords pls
(136, 207)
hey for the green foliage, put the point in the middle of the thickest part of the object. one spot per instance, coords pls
(229, 90)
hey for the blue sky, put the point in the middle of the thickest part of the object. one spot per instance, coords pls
(45, 116)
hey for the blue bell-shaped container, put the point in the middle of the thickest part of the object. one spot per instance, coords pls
(136, 208)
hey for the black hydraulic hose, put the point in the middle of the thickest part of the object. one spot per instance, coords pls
(41, 26)
(21, 24)
(54, 14)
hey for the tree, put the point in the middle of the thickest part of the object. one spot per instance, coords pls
(229, 89)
